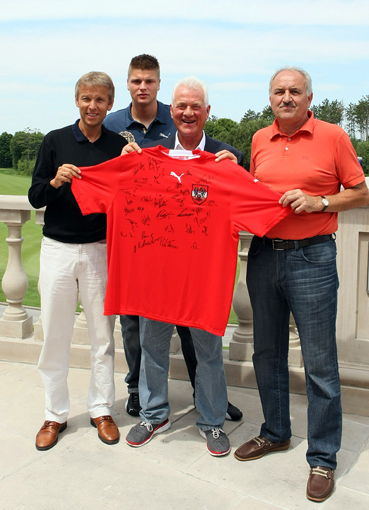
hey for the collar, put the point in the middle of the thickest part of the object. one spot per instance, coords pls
(79, 136)
(160, 116)
(201, 146)
(308, 126)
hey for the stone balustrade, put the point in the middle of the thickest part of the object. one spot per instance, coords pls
(18, 342)
(15, 322)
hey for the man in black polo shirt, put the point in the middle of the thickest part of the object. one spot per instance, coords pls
(73, 261)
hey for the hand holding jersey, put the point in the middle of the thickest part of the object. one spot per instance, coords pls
(65, 174)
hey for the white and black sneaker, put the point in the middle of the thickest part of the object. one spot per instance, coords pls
(217, 441)
(143, 432)
(233, 413)
(133, 406)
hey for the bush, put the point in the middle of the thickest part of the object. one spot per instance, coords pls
(25, 145)
(25, 166)
(362, 149)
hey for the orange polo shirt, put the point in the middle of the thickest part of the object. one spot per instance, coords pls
(317, 159)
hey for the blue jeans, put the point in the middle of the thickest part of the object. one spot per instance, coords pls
(130, 327)
(303, 281)
(210, 383)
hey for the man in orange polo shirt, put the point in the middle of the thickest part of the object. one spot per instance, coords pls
(293, 269)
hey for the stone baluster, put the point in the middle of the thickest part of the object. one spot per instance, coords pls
(15, 322)
(175, 343)
(241, 344)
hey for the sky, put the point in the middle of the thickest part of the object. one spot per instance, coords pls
(234, 46)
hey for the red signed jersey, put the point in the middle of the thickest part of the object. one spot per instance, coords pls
(172, 232)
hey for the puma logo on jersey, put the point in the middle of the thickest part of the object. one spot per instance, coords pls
(177, 176)
(165, 136)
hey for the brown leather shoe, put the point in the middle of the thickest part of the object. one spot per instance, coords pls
(47, 436)
(259, 446)
(320, 483)
(107, 430)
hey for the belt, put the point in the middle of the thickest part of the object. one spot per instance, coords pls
(281, 244)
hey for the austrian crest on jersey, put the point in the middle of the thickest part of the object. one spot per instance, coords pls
(199, 193)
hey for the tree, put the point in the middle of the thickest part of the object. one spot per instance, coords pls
(330, 111)
(239, 135)
(221, 129)
(267, 114)
(210, 125)
(25, 145)
(242, 137)
(5, 152)
(250, 115)
(362, 117)
(362, 149)
(350, 120)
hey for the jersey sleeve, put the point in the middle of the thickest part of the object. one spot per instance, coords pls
(95, 191)
(254, 207)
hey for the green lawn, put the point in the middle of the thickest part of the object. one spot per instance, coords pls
(12, 184)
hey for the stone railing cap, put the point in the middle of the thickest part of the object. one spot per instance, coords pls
(16, 202)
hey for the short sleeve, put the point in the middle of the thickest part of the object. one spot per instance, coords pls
(348, 167)
(96, 190)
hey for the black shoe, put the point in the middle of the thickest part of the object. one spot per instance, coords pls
(133, 404)
(233, 413)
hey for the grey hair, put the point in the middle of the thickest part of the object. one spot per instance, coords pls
(192, 83)
(96, 79)
(305, 74)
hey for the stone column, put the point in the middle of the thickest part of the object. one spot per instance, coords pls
(175, 342)
(241, 344)
(15, 322)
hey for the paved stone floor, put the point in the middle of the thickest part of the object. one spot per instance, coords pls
(173, 471)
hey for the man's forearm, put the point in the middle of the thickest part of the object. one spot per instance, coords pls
(350, 198)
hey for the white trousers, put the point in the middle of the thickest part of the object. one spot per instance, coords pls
(66, 270)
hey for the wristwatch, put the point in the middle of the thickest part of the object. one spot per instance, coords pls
(325, 204)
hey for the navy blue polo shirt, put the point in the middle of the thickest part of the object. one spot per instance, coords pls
(123, 123)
